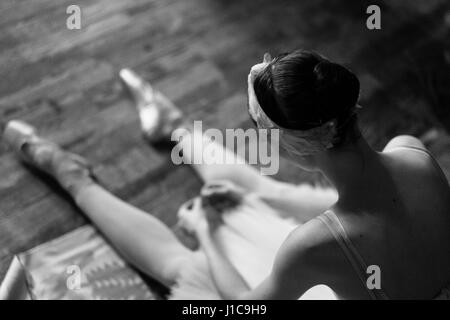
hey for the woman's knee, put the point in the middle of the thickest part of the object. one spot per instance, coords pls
(174, 268)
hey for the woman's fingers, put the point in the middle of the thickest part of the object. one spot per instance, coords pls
(190, 214)
(221, 196)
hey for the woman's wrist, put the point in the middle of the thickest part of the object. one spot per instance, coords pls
(203, 233)
(205, 237)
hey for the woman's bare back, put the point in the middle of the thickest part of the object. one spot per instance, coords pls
(409, 237)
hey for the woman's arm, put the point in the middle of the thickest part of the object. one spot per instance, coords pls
(291, 275)
(302, 202)
(229, 282)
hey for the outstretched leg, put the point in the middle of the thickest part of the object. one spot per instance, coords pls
(142, 239)
(159, 120)
(302, 202)
(238, 172)
(160, 117)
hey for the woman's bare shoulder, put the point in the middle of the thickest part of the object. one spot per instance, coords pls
(411, 157)
(312, 247)
(404, 141)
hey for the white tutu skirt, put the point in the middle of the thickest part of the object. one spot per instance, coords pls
(250, 237)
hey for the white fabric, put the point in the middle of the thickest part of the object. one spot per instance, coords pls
(250, 237)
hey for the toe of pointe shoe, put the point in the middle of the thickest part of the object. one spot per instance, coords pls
(139, 90)
(129, 77)
(16, 133)
(158, 115)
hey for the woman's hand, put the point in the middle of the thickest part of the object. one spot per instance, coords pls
(191, 217)
(219, 197)
(204, 213)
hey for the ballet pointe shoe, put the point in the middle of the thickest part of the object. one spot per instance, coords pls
(158, 115)
(70, 170)
(17, 133)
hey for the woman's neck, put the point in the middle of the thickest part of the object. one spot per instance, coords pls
(350, 169)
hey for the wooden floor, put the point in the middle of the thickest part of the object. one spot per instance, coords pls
(198, 52)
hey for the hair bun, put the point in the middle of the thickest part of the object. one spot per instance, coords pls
(304, 88)
(327, 72)
(337, 89)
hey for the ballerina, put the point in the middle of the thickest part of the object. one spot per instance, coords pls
(264, 239)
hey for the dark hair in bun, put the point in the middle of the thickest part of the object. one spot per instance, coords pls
(302, 90)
